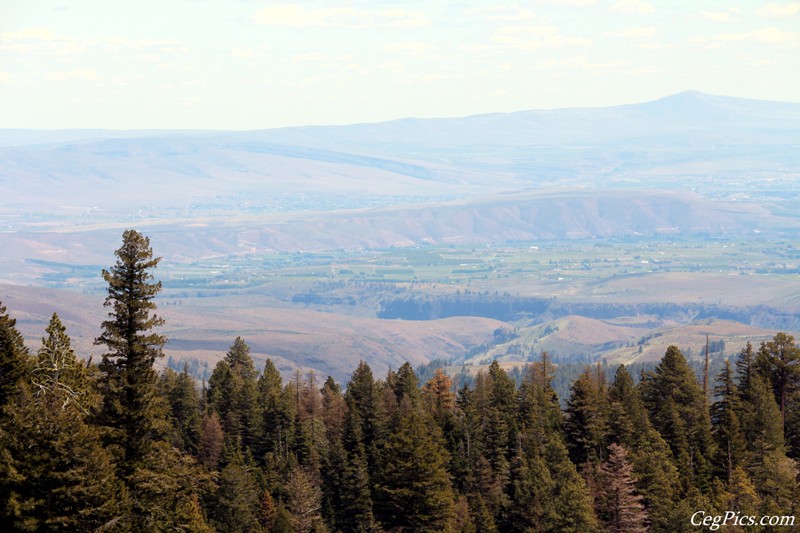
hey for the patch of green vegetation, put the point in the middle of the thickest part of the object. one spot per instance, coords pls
(573, 270)
(574, 265)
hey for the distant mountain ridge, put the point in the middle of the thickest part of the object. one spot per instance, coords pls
(686, 110)
(730, 166)
(697, 107)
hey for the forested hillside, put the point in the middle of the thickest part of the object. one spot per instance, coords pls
(113, 445)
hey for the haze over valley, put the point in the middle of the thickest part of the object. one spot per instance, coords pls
(602, 232)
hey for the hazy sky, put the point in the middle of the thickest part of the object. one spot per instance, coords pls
(247, 64)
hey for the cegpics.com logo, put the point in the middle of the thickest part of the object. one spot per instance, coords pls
(730, 518)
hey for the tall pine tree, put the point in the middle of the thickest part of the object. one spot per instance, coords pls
(363, 394)
(128, 379)
(725, 423)
(587, 420)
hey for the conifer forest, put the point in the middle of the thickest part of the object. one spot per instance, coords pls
(117, 445)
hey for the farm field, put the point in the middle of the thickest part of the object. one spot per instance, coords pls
(616, 300)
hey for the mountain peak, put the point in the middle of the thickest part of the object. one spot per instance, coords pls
(690, 97)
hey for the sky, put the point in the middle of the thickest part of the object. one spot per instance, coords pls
(250, 64)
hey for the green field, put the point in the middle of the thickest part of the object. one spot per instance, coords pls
(573, 269)
(619, 300)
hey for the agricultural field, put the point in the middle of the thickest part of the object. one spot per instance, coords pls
(615, 300)
(622, 271)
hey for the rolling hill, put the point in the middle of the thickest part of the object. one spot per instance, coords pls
(672, 141)
(687, 166)
(293, 338)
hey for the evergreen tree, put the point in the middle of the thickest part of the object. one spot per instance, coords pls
(678, 410)
(779, 360)
(499, 421)
(183, 400)
(746, 372)
(404, 385)
(744, 368)
(762, 430)
(473, 404)
(164, 492)
(334, 409)
(128, 379)
(792, 429)
(362, 396)
(347, 501)
(275, 414)
(725, 423)
(777, 485)
(546, 491)
(283, 521)
(627, 419)
(462, 521)
(14, 357)
(772, 472)
(236, 503)
(312, 419)
(738, 495)
(333, 492)
(538, 402)
(531, 483)
(473, 474)
(54, 473)
(301, 443)
(193, 517)
(487, 484)
(356, 504)
(657, 480)
(481, 515)
(586, 424)
(233, 395)
(413, 490)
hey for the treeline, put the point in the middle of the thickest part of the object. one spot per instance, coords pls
(500, 306)
(116, 446)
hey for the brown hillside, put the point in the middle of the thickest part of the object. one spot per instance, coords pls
(329, 343)
(691, 337)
